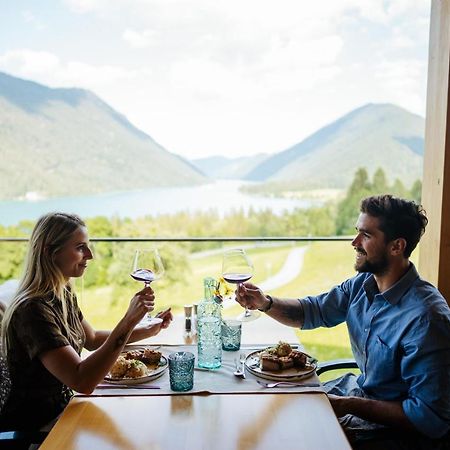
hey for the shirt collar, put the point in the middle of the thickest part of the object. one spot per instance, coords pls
(396, 291)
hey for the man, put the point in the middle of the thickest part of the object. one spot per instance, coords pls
(399, 327)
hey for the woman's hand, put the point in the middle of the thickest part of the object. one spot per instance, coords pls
(166, 316)
(153, 329)
(142, 303)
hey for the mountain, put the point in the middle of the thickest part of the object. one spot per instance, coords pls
(228, 168)
(56, 142)
(372, 136)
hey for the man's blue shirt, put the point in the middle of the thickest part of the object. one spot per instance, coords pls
(400, 340)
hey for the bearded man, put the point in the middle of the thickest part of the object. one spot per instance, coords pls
(399, 328)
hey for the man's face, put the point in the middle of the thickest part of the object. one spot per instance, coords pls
(370, 246)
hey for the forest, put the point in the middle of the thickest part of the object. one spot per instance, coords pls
(333, 218)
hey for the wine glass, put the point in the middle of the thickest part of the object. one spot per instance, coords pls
(237, 268)
(147, 267)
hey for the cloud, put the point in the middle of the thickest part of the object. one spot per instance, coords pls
(47, 68)
(86, 6)
(139, 39)
(402, 82)
(29, 63)
(258, 73)
(30, 18)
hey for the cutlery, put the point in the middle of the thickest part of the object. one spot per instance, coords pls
(240, 368)
(287, 384)
(127, 386)
(263, 347)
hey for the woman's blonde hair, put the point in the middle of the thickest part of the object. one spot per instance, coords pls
(42, 277)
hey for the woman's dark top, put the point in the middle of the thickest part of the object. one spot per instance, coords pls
(36, 396)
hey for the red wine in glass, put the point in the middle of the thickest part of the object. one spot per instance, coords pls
(237, 268)
(236, 278)
(147, 267)
(144, 275)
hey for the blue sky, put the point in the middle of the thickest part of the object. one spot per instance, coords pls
(230, 77)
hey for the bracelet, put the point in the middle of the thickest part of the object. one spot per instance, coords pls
(268, 306)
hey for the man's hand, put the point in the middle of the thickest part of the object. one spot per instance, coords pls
(250, 296)
(339, 404)
(379, 411)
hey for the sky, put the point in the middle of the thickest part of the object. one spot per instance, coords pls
(224, 77)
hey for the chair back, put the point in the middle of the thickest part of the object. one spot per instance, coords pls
(5, 380)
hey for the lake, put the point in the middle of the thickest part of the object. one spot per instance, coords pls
(223, 195)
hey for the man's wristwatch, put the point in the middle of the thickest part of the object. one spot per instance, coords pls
(268, 306)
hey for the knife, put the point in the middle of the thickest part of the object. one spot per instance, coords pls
(127, 386)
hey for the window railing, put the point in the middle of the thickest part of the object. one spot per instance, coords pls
(206, 239)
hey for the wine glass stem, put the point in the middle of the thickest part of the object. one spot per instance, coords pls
(247, 313)
(147, 284)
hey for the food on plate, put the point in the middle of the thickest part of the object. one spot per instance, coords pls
(286, 362)
(150, 356)
(120, 367)
(283, 349)
(269, 362)
(282, 357)
(137, 369)
(147, 355)
(135, 363)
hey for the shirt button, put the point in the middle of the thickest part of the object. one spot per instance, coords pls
(365, 330)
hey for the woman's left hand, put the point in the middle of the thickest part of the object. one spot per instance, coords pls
(166, 316)
(153, 330)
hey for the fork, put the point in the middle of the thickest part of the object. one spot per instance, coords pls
(242, 358)
(287, 384)
(239, 372)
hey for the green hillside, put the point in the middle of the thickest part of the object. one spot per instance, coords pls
(56, 142)
(372, 136)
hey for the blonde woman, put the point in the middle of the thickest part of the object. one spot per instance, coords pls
(44, 331)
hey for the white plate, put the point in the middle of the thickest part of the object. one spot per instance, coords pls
(292, 374)
(154, 373)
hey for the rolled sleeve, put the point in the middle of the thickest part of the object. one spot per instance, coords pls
(326, 310)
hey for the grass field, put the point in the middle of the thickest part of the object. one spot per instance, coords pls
(325, 265)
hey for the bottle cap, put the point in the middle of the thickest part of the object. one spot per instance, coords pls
(188, 310)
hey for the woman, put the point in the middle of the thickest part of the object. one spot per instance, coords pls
(43, 330)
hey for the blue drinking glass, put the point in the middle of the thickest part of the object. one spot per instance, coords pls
(181, 371)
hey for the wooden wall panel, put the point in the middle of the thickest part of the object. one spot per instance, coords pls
(434, 260)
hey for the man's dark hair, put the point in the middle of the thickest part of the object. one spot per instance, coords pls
(399, 218)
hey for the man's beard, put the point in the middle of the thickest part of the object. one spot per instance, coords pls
(378, 265)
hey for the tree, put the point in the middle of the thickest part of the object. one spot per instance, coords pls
(416, 191)
(379, 182)
(348, 209)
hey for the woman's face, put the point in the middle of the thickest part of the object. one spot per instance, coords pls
(72, 258)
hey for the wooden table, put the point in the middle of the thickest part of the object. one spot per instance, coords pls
(243, 422)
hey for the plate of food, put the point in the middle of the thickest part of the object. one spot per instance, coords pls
(137, 366)
(280, 362)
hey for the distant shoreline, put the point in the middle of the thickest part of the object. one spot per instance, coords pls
(222, 196)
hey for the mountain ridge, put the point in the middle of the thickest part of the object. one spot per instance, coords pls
(47, 133)
(371, 136)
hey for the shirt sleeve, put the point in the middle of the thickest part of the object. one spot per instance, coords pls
(38, 328)
(426, 369)
(327, 310)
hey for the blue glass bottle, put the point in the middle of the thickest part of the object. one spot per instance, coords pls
(209, 322)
